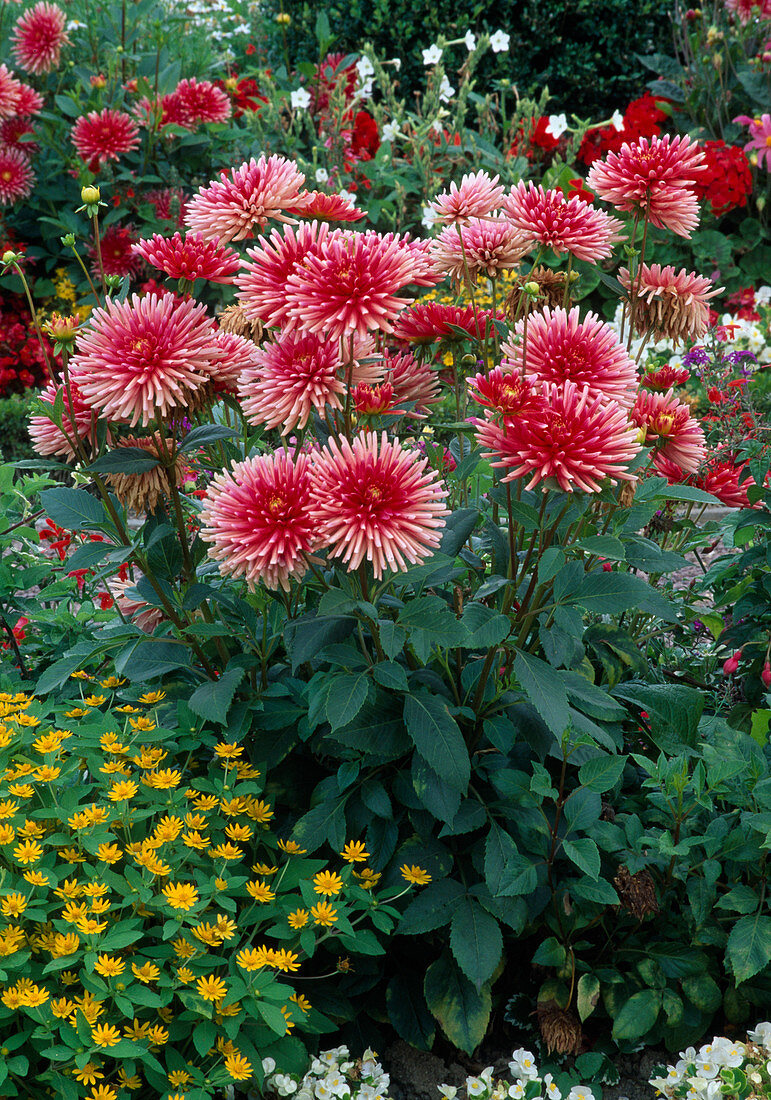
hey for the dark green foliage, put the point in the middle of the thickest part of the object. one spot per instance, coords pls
(584, 50)
(14, 438)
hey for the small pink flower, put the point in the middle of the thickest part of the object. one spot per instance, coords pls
(477, 197)
(760, 135)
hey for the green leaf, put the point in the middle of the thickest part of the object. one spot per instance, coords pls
(124, 460)
(391, 675)
(582, 809)
(148, 658)
(347, 696)
(605, 546)
(749, 946)
(637, 1016)
(507, 873)
(437, 737)
(461, 1010)
(73, 509)
(392, 638)
(440, 798)
(703, 991)
(409, 1014)
(212, 700)
(611, 593)
(486, 627)
(458, 528)
(431, 625)
(306, 636)
(324, 823)
(601, 773)
(475, 941)
(588, 995)
(432, 908)
(584, 853)
(205, 434)
(673, 712)
(545, 690)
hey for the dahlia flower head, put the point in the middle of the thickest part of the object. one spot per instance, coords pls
(673, 304)
(191, 257)
(229, 209)
(38, 37)
(760, 137)
(571, 225)
(78, 419)
(477, 197)
(562, 435)
(325, 207)
(9, 93)
(145, 357)
(261, 284)
(16, 176)
(375, 501)
(102, 136)
(666, 423)
(562, 348)
(653, 177)
(484, 246)
(426, 322)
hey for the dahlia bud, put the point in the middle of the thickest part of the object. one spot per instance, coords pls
(531, 288)
(730, 666)
(98, 81)
(113, 282)
(90, 195)
(69, 240)
(766, 675)
(10, 257)
(61, 329)
(760, 201)
(284, 18)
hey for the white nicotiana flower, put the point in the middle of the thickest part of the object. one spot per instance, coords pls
(365, 69)
(558, 124)
(523, 1065)
(432, 55)
(446, 90)
(348, 196)
(436, 126)
(552, 1091)
(470, 41)
(499, 42)
(390, 131)
(300, 98)
(365, 91)
(428, 221)
(617, 121)
(322, 175)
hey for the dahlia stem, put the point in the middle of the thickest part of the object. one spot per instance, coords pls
(631, 276)
(15, 265)
(98, 245)
(636, 295)
(348, 386)
(86, 273)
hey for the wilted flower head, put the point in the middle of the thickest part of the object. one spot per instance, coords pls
(374, 501)
(257, 517)
(477, 197)
(38, 37)
(673, 304)
(563, 225)
(141, 492)
(230, 208)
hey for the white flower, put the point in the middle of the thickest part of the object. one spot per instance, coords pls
(580, 1092)
(432, 55)
(348, 196)
(427, 221)
(475, 1086)
(390, 131)
(322, 175)
(551, 1089)
(365, 91)
(448, 1091)
(338, 1085)
(499, 42)
(517, 1091)
(446, 90)
(523, 1065)
(365, 69)
(763, 295)
(618, 121)
(436, 126)
(268, 1065)
(471, 41)
(322, 1091)
(558, 124)
(300, 98)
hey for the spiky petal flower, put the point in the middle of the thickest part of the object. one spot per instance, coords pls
(326, 208)
(563, 225)
(16, 176)
(654, 176)
(477, 197)
(726, 480)
(425, 322)
(257, 517)
(667, 424)
(190, 257)
(47, 438)
(665, 378)
(142, 358)
(261, 284)
(561, 347)
(374, 501)
(28, 101)
(572, 437)
(503, 392)
(239, 355)
(412, 381)
(132, 606)
(230, 208)
(201, 101)
(101, 136)
(38, 37)
(480, 247)
(297, 373)
(115, 252)
(9, 92)
(671, 303)
(349, 284)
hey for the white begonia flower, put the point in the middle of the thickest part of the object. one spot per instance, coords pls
(617, 120)
(322, 1091)
(523, 1065)
(659, 1083)
(365, 69)
(580, 1092)
(300, 98)
(763, 295)
(446, 90)
(707, 1069)
(558, 124)
(338, 1085)
(322, 175)
(517, 1091)
(475, 1086)
(552, 1091)
(470, 41)
(268, 1065)
(432, 55)
(348, 196)
(448, 1091)
(499, 42)
(390, 131)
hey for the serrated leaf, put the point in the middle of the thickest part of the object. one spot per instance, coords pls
(212, 700)
(124, 460)
(461, 1010)
(437, 737)
(749, 946)
(432, 908)
(601, 773)
(637, 1016)
(475, 941)
(205, 434)
(585, 854)
(73, 509)
(545, 690)
(346, 697)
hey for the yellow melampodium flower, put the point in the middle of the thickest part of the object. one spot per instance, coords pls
(168, 829)
(286, 1012)
(208, 934)
(327, 882)
(181, 895)
(109, 966)
(158, 1035)
(95, 889)
(164, 780)
(49, 742)
(89, 1075)
(206, 801)
(122, 790)
(7, 834)
(144, 725)
(95, 700)
(62, 1008)
(147, 972)
(70, 888)
(239, 1067)
(355, 851)
(185, 975)
(259, 811)
(47, 774)
(287, 961)
(252, 958)
(226, 851)
(110, 743)
(302, 1002)
(28, 852)
(151, 697)
(34, 996)
(13, 905)
(33, 829)
(133, 1082)
(112, 682)
(415, 875)
(105, 1035)
(88, 926)
(103, 1092)
(238, 832)
(211, 988)
(226, 751)
(183, 949)
(265, 869)
(324, 914)
(299, 918)
(260, 891)
(179, 1077)
(108, 853)
(195, 821)
(194, 840)
(66, 943)
(136, 1031)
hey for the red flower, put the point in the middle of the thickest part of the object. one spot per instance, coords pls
(38, 37)
(727, 181)
(642, 118)
(189, 258)
(105, 135)
(365, 139)
(16, 176)
(116, 248)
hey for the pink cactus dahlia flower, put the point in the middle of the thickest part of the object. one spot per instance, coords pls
(230, 208)
(671, 303)
(262, 282)
(667, 424)
(563, 225)
(297, 373)
(190, 257)
(477, 197)
(16, 176)
(480, 247)
(38, 38)
(47, 438)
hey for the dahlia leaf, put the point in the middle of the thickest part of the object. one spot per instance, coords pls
(545, 690)
(124, 460)
(475, 941)
(462, 1011)
(437, 737)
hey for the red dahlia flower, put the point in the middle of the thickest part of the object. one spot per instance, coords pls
(101, 136)
(564, 226)
(191, 257)
(426, 322)
(16, 176)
